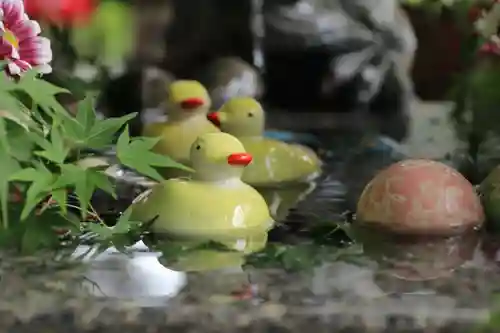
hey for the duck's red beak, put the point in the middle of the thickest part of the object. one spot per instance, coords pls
(192, 103)
(239, 159)
(214, 118)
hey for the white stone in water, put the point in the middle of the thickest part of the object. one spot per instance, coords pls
(136, 276)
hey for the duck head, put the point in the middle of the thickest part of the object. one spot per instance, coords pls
(218, 157)
(187, 98)
(240, 116)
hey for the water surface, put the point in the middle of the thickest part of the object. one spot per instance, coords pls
(308, 272)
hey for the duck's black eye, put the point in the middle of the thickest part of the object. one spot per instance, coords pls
(198, 147)
(250, 114)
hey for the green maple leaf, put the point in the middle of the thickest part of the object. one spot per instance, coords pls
(137, 154)
(41, 180)
(74, 222)
(103, 232)
(39, 232)
(60, 196)
(125, 224)
(5, 81)
(20, 144)
(41, 119)
(78, 128)
(3, 136)
(8, 167)
(55, 150)
(103, 132)
(42, 92)
(122, 226)
(85, 181)
(11, 103)
(25, 175)
(89, 131)
(65, 78)
(86, 116)
(41, 140)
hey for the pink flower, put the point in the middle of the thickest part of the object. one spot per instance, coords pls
(20, 42)
(490, 48)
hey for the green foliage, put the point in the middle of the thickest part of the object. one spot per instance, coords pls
(107, 37)
(85, 130)
(123, 226)
(485, 98)
(39, 141)
(290, 257)
(300, 257)
(76, 86)
(128, 151)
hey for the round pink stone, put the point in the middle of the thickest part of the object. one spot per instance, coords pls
(420, 197)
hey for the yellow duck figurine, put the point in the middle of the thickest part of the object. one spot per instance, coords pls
(187, 107)
(214, 201)
(275, 162)
(281, 200)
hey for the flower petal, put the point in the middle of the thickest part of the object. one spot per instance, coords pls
(25, 29)
(30, 49)
(16, 67)
(13, 11)
(36, 50)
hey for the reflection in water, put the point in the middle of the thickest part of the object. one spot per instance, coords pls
(416, 277)
(221, 262)
(490, 249)
(138, 275)
(421, 258)
(281, 200)
(381, 274)
(352, 280)
(195, 254)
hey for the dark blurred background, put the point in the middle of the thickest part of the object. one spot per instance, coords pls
(193, 39)
(201, 31)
